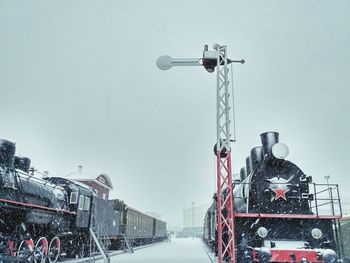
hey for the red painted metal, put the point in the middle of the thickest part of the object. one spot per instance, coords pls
(30, 244)
(11, 244)
(225, 214)
(284, 255)
(46, 247)
(219, 225)
(280, 193)
(37, 206)
(296, 216)
(58, 244)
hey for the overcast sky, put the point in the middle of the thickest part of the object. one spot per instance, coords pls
(79, 86)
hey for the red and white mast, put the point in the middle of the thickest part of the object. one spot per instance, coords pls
(225, 213)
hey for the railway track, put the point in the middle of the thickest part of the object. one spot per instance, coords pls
(209, 253)
(112, 253)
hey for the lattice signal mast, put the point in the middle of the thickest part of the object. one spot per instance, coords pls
(218, 59)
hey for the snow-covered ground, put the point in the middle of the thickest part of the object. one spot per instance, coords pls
(184, 250)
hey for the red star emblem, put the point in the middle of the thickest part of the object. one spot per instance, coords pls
(280, 193)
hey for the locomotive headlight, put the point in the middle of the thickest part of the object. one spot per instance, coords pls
(316, 233)
(262, 232)
(280, 150)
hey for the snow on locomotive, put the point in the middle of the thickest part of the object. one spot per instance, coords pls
(280, 214)
(40, 218)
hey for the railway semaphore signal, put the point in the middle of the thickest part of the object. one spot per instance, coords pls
(211, 60)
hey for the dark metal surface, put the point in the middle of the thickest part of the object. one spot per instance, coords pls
(256, 156)
(7, 153)
(22, 163)
(107, 219)
(248, 165)
(268, 139)
(242, 173)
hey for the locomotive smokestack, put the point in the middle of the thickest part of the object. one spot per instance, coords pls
(242, 173)
(7, 153)
(248, 165)
(268, 139)
(256, 156)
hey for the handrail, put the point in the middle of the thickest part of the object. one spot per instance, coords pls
(318, 195)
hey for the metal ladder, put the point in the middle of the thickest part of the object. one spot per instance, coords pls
(126, 241)
(94, 235)
(100, 246)
(338, 237)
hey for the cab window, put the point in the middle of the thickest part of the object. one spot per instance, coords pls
(81, 202)
(73, 198)
(87, 204)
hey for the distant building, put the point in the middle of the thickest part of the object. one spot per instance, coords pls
(174, 228)
(193, 219)
(100, 182)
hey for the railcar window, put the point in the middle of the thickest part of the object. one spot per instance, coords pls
(81, 202)
(87, 204)
(73, 198)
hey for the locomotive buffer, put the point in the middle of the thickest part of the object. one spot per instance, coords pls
(218, 59)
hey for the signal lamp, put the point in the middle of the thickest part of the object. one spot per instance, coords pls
(262, 232)
(316, 233)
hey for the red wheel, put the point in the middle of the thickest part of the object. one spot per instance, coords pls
(25, 250)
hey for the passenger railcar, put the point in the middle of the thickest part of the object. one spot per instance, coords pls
(279, 212)
(159, 229)
(138, 227)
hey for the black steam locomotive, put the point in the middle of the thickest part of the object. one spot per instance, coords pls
(41, 218)
(278, 211)
(345, 234)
